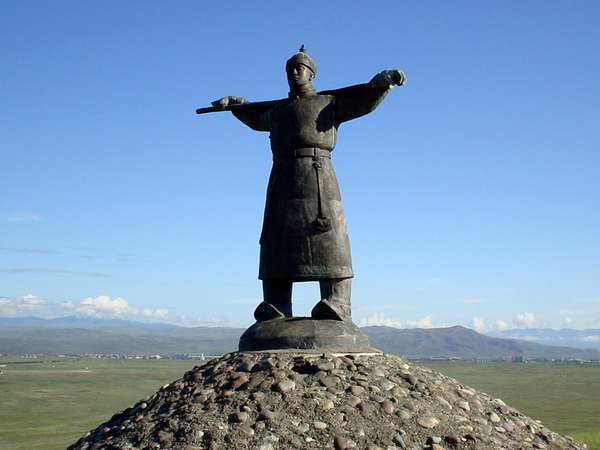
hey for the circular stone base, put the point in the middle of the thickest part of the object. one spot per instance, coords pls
(305, 333)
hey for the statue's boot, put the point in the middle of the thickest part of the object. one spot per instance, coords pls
(335, 302)
(277, 302)
(266, 311)
(330, 310)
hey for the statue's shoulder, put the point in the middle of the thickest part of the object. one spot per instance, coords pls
(322, 99)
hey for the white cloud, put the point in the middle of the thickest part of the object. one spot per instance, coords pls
(161, 313)
(104, 306)
(500, 325)
(591, 338)
(29, 301)
(525, 320)
(379, 319)
(567, 322)
(478, 324)
(26, 304)
(424, 322)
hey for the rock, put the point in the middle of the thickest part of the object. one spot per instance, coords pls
(329, 381)
(387, 385)
(452, 439)
(444, 402)
(246, 366)
(398, 440)
(302, 427)
(319, 425)
(266, 414)
(239, 380)
(239, 417)
(326, 366)
(464, 405)
(494, 417)
(367, 408)
(266, 446)
(387, 407)
(427, 421)
(327, 404)
(357, 390)
(285, 386)
(378, 372)
(404, 414)
(508, 426)
(342, 443)
(353, 401)
(164, 436)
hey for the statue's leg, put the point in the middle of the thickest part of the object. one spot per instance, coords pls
(277, 300)
(335, 300)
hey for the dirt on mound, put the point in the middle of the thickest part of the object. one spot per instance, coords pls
(284, 400)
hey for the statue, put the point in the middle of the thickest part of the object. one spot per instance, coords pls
(304, 235)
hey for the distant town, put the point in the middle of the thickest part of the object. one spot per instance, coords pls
(206, 357)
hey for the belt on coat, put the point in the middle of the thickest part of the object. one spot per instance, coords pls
(306, 152)
(322, 223)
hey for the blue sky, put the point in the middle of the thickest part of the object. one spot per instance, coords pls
(471, 193)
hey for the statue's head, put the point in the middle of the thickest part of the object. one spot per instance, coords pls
(301, 70)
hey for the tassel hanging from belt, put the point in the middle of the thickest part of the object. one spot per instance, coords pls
(321, 223)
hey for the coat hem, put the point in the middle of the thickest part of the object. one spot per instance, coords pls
(306, 275)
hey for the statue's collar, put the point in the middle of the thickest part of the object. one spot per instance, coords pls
(303, 92)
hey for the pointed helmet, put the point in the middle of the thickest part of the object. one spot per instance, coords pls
(302, 58)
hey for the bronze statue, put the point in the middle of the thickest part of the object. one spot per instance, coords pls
(304, 234)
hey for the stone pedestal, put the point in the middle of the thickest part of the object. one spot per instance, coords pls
(305, 333)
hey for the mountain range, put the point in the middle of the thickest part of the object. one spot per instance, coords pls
(76, 335)
(565, 337)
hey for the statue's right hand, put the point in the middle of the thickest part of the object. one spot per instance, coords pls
(222, 103)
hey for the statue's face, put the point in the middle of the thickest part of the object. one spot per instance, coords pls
(299, 75)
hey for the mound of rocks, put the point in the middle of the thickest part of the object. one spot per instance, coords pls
(288, 400)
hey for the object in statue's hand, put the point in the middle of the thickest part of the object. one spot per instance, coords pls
(391, 77)
(228, 101)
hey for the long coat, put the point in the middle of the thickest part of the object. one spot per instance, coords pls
(304, 233)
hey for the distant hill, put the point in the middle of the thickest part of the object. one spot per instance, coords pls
(82, 322)
(72, 335)
(461, 342)
(567, 337)
(57, 341)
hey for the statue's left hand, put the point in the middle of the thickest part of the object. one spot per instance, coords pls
(222, 103)
(390, 77)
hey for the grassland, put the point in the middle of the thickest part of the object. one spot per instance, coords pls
(48, 405)
(45, 405)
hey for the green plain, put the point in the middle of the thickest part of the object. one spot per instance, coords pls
(48, 404)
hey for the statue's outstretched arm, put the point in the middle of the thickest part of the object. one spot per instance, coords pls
(255, 115)
(361, 99)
